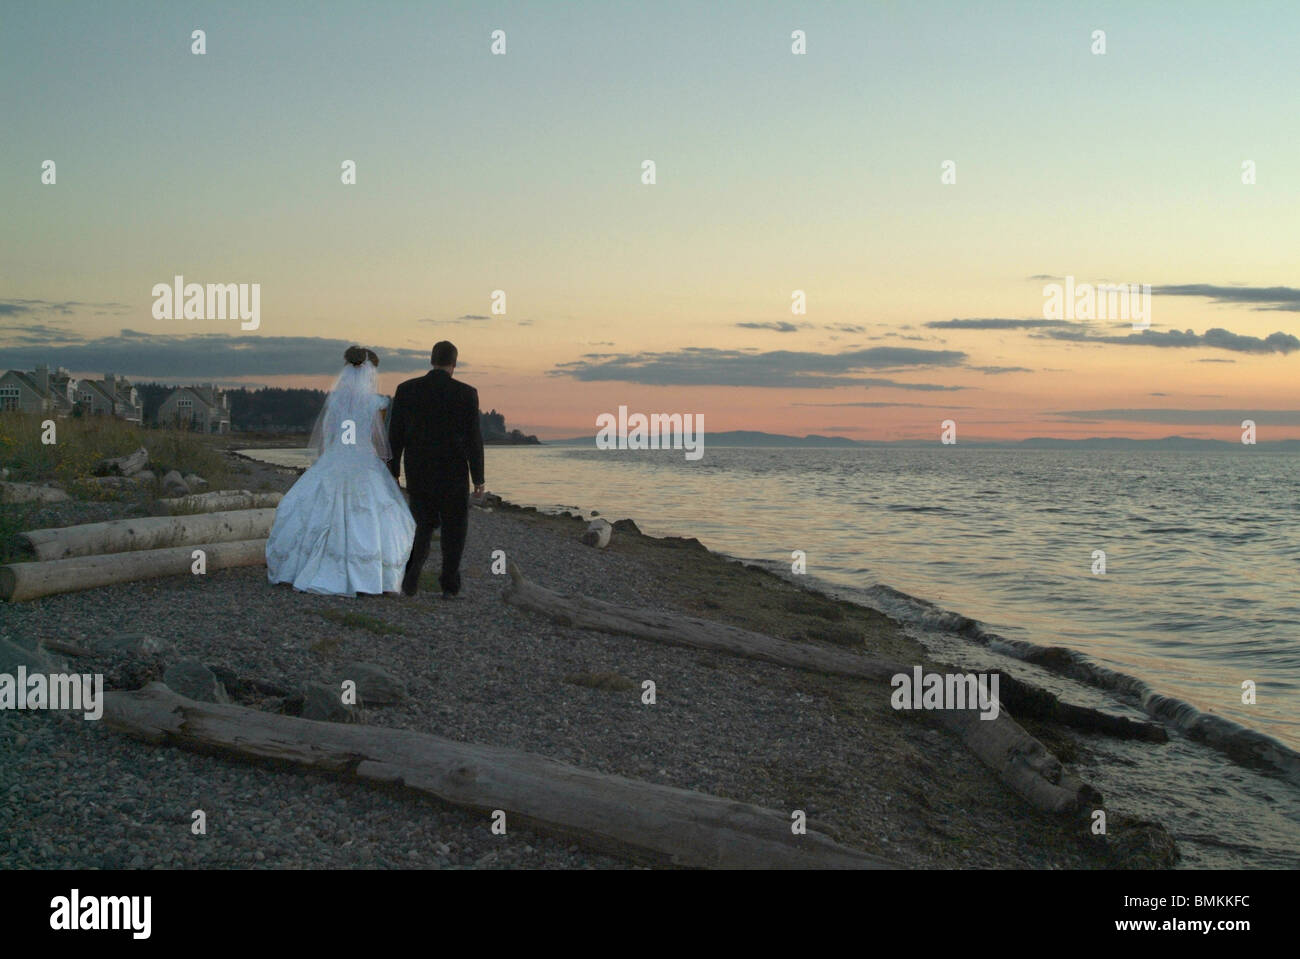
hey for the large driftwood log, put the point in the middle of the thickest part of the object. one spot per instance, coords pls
(1026, 700)
(1023, 763)
(31, 493)
(127, 465)
(150, 532)
(220, 500)
(688, 828)
(22, 581)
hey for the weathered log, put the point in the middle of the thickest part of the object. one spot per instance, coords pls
(22, 581)
(1022, 762)
(687, 828)
(220, 500)
(127, 465)
(149, 532)
(1026, 700)
(31, 493)
(67, 649)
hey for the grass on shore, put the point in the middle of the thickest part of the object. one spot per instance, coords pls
(356, 620)
(81, 442)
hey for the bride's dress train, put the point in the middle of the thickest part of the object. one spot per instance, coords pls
(344, 527)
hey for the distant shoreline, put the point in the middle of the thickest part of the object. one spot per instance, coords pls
(734, 439)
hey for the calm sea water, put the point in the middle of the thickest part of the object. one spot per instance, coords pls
(1199, 592)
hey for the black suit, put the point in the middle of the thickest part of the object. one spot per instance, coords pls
(434, 421)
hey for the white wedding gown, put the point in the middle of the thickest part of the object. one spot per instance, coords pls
(344, 527)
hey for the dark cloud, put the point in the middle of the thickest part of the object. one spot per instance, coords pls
(36, 334)
(775, 327)
(1189, 417)
(995, 370)
(205, 356)
(846, 328)
(1283, 298)
(1217, 339)
(21, 307)
(994, 323)
(698, 366)
(880, 404)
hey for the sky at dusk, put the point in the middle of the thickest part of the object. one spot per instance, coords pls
(775, 172)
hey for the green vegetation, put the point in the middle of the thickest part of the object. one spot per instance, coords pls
(361, 621)
(81, 442)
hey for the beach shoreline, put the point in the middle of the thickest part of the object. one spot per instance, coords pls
(478, 670)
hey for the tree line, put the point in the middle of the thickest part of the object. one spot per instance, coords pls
(294, 410)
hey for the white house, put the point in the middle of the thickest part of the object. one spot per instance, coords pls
(111, 396)
(38, 391)
(204, 409)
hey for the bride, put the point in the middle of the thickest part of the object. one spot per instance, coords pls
(344, 527)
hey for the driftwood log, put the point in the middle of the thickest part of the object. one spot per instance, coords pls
(220, 500)
(127, 465)
(1022, 762)
(1026, 700)
(22, 581)
(149, 532)
(1022, 698)
(687, 828)
(31, 493)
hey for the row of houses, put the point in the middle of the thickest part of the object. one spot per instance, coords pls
(57, 392)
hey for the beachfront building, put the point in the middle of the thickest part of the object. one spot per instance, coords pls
(112, 396)
(204, 409)
(38, 391)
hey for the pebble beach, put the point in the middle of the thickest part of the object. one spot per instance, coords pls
(75, 794)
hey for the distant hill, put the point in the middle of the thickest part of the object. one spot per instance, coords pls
(759, 438)
(737, 438)
(493, 425)
(1165, 443)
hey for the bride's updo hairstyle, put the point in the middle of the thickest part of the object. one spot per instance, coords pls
(356, 355)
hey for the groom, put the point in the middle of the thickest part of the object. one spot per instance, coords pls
(434, 420)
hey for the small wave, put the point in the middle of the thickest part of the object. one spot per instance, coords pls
(1243, 745)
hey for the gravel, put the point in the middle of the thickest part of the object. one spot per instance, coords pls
(75, 794)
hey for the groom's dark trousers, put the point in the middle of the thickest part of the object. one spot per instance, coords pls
(434, 424)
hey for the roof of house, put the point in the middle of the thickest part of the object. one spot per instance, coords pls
(59, 396)
(208, 396)
(121, 387)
